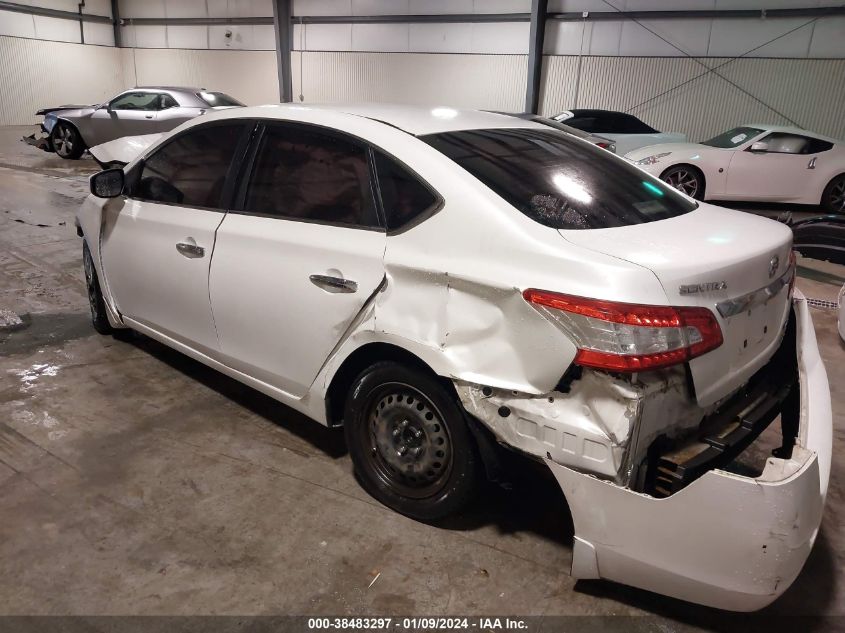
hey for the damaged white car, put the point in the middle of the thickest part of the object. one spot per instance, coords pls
(441, 282)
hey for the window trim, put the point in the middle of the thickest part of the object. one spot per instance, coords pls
(226, 195)
(421, 217)
(247, 171)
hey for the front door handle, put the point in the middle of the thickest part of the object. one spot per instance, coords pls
(148, 116)
(189, 249)
(333, 284)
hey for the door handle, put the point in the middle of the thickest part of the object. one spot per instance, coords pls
(334, 284)
(189, 249)
(812, 163)
(148, 116)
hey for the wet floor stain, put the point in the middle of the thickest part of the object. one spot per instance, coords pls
(45, 330)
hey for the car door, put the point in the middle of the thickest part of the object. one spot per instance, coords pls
(156, 248)
(129, 114)
(299, 257)
(776, 167)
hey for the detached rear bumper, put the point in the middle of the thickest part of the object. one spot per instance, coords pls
(724, 540)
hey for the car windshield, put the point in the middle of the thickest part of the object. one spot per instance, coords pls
(559, 181)
(218, 99)
(733, 138)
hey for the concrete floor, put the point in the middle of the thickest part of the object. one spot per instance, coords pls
(136, 481)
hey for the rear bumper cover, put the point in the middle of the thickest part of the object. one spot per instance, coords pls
(725, 540)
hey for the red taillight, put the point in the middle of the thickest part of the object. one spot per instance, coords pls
(603, 145)
(628, 336)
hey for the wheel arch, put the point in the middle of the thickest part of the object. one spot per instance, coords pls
(827, 186)
(75, 127)
(364, 356)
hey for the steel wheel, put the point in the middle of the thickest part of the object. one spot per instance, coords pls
(684, 179)
(410, 447)
(96, 303)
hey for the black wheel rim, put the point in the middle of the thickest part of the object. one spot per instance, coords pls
(837, 196)
(406, 442)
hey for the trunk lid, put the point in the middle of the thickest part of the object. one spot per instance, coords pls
(720, 259)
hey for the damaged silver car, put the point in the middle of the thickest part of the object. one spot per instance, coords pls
(443, 282)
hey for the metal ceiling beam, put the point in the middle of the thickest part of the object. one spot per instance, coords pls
(536, 36)
(283, 28)
(54, 13)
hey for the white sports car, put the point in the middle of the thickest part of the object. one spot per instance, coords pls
(625, 130)
(442, 283)
(766, 163)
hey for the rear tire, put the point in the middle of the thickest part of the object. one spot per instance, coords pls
(66, 141)
(409, 442)
(833, 198)
(99, 317)
(686, 179)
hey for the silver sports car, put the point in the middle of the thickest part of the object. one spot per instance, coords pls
(71, 129)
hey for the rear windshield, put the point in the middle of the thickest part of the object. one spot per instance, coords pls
(733, 138)
(218, 99)
(559, 181)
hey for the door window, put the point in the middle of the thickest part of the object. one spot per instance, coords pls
(147, 101)
(403, 197)
(781, 143)
(191, 169)
(309, 174)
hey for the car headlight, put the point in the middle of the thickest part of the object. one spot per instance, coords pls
(650, 160)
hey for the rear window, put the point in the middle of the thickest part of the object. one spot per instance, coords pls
(218, 99)
(559, 181)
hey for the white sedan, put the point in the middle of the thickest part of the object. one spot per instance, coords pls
(764, 163)
(442, 283)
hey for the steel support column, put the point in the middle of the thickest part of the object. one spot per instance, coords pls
(115, 16)
(283, 28)
(535, 54)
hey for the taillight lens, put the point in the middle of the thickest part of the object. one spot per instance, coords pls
(603, 145)
(629, 337)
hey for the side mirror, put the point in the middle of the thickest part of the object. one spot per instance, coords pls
(759, 147)
(107, 184)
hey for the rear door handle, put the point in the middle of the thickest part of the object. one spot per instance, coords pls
(189, 249)
(812, 163)
(334, 284)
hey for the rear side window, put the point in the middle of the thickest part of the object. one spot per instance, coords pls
(190, 170)
(558, 181)
(404, 198)
(218, 99)
(306, 173)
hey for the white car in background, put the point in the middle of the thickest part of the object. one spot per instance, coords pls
(442, 282)
(754, 162)
(625, 130)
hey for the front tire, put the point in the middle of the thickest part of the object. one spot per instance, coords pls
(833, 198)
(99, 318)
(66, 141)
(686, 179)
(409, 442)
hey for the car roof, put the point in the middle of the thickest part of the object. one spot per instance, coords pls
(416, 120)
(597, 112)
(172, 88)
(788, 129)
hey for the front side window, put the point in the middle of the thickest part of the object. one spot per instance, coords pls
(558, 181)
(782, 143)
(733, 138)
(403, 197)
(190, 170)
(306, 173)
(147, 101)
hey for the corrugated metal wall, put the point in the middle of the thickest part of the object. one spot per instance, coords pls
(492, 82)
(809, 92)
(35, 74)
(249, 76)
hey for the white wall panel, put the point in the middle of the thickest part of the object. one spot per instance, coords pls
(690, 36)
(492, 82)
(249, 76)
(97, 33)
(501, 38)
(379, 37)
(737, 37)
(85, 74)
(56, 29)
(185, 8)
(16, 24)
(828, 38)
(707, 104)
(145, 36)
(141, 8)
(440, 38)
(187, 36)
(322, 37)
